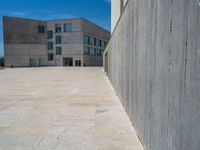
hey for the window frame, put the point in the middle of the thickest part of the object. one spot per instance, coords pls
(66, 27)
(50, 56)
(58, 39)
(49, 34)
(58, 28)
(41, 28)
(50, 45)
(58, 50)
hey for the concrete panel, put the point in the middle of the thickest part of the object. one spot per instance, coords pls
(153, 64)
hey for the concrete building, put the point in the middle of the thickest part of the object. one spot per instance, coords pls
(153, 63)
(70, 42)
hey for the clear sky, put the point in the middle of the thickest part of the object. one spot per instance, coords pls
(97, 11)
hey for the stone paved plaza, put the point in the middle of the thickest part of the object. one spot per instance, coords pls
(62, 109)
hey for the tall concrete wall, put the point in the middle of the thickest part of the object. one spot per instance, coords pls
(154, 66)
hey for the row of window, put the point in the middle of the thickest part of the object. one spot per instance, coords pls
(97, 43)
(87, 40)
(58, 29)
(67, 27)
(87, 51)
(93, 51)
(94, 41)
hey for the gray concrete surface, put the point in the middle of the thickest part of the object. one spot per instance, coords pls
(154, 66)
(62, 109)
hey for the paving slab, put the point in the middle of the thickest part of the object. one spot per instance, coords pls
(58, 108)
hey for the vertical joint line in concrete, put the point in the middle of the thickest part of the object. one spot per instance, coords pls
(186, 47)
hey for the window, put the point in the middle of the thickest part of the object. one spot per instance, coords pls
(50, 56)
(100, 43)
(40, 28)
(68, 27)
(58, 28)
(98, 52)
(58, 50)
(95, 52)
(95, 41)
(88, 40)
(50, 35)
(92, 51)
(50, 45)
(92, 41)
(58, 39)
(86, 50)
(85, 39)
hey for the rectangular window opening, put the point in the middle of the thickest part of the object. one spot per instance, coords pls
(68, 27)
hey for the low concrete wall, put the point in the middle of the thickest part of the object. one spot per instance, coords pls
(154, 66)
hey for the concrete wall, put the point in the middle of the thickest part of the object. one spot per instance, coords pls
(154, 66)
(116, 11)
(22, 41)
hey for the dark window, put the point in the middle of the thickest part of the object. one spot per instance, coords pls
(88, 40)
(78, 62)
(95, 41)
(41, 29)
(100, 44)
(58, 28)
(86, 50)
(50, 35)
(98, 52)
(68, 27)
(95, 52)
(50, 45)
(50, 56)
(58, 39)
(58, 50)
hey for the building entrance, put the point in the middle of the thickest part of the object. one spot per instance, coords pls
(78, 63)
(68, 61)
(32, 62)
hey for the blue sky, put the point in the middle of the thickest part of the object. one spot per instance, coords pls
(97, 11)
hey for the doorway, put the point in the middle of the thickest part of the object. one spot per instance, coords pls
(41, 62)
(32, 62)
(78, 63)
(68, 61)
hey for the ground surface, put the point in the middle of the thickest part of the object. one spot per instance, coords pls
(62, 109)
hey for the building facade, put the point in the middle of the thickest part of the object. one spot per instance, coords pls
(70, 42)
